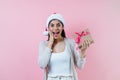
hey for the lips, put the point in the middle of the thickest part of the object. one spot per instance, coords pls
(56, 33)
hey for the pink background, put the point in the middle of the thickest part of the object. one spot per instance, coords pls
(23, 21)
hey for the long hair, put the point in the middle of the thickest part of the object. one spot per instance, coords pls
(63, 31)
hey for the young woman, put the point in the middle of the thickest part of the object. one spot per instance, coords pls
(58, 55)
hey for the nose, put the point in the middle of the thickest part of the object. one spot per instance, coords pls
(55, 27)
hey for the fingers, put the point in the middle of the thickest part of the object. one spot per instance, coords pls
(88, 43)
(51, 36)
(80, 45)
(85, 43)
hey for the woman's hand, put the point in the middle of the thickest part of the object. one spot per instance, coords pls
(51, 40)
(84, 45)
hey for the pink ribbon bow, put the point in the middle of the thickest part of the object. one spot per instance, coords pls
(78, 38)
(79, 35)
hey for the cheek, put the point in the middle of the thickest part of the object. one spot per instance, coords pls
(61, 29)
(49, 29)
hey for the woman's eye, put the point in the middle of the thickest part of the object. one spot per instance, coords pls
(52, 25)
(58, 24)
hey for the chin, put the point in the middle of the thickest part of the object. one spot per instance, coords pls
(56, 38)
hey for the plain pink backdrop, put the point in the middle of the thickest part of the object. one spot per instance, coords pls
(23, 21)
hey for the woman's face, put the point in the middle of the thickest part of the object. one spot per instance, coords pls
(56, 28)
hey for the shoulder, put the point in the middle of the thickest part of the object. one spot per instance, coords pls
(43, 43)
(70, 41)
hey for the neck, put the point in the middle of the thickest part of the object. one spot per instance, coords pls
(59, 40)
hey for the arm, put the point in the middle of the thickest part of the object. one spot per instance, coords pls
(79, 58)
(45, 50)
(44, 55)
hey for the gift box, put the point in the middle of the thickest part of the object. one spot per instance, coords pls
(81, 36)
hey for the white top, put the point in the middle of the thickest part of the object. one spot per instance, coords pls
(75, 59)
(60, 63)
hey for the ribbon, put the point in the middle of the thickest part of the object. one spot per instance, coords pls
(78, 38)
(79, 35)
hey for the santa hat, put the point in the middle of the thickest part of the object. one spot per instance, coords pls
(51, 17)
